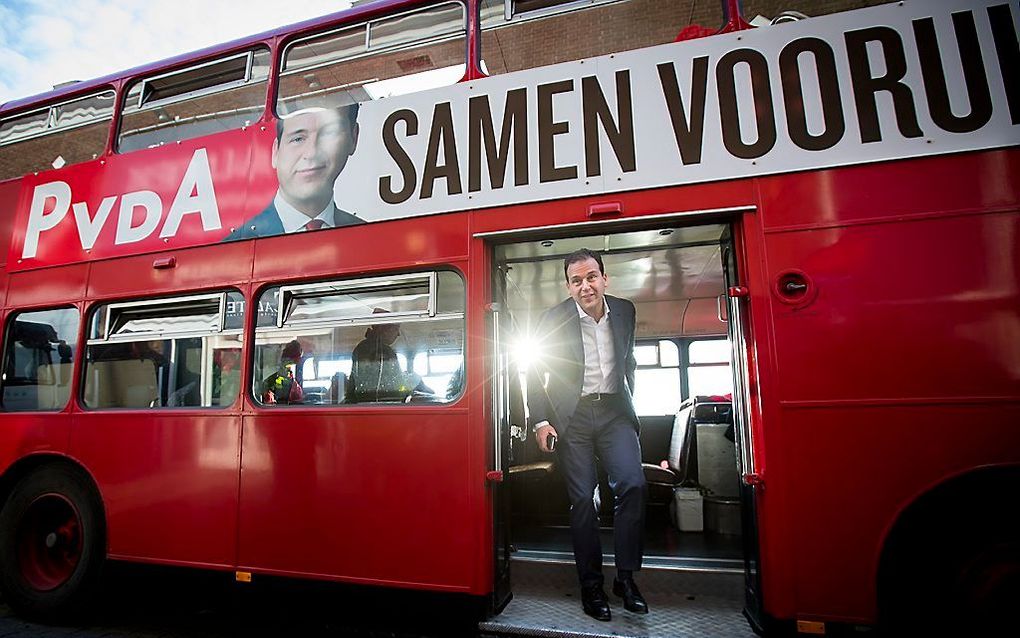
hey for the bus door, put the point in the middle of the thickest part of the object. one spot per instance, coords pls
(737, 316)
(675, 274)
(507, 422)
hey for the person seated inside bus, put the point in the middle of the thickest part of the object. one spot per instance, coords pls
(311, 150)
(283, 386)
(376, 374)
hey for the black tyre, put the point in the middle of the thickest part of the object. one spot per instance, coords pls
(52, 543)
(955, 574)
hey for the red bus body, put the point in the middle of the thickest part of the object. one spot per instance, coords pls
(897, 375)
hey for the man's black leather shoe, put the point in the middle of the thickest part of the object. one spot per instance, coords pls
(632, 598)
(596, 603)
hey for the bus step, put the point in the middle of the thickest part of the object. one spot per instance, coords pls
(547, 602)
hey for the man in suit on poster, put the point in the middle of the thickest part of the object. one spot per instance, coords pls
(311, 150)
(580, 400)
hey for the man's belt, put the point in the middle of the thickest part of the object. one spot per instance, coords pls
(599, 396)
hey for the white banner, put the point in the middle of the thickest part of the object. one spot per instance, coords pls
(896, 81)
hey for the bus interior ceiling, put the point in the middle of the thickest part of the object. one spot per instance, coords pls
(674, 276)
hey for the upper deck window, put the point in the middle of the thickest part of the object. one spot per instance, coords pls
(54, 136)
(394, 55)
(153, 353)
(206, 98)
(516, 33)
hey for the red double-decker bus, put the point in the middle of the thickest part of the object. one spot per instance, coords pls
(266, 306)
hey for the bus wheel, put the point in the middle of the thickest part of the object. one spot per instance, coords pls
(987, 584)
(52, 543)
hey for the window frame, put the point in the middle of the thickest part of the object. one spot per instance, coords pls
(127, 109)
(686, 365)
(419, 317)
(144, 104)
(171, 335)
(290, 292)
(8, 335)
(658, 365)
(168, 301)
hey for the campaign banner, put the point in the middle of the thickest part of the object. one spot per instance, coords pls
(897, 81)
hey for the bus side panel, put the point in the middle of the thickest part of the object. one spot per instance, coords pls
(9, 191)
(168, 482)
(52, 286)
(32, 433)
(909, 329)
(361, 249)
(964, 182)
(365, 495)
(193, 269)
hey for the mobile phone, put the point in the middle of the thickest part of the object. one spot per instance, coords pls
(550, 442)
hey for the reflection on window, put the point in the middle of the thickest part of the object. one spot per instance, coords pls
(208, 98)
(397, 339)
(657, 378)
(395, 55)
(708, 370)
(166, 353)
(53, 137)
(39, 359)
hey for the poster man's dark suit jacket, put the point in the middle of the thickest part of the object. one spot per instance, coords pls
(559, 331)
(267, 223)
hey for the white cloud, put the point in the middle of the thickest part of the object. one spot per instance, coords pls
(44, 43)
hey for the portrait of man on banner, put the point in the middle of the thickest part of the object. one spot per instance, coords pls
(311, 149)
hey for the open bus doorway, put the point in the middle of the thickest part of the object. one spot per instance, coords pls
(684, 387)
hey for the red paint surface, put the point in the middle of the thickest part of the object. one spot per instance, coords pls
(900, 372)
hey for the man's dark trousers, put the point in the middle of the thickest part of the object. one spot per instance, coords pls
(604, 429)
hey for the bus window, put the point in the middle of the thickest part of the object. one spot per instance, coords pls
(657, 386)
(390, 56)
(207, 98)
(39, 358)
(180, 352)
(708, 368)
(52, 137)
(390, 339)
(516, 33)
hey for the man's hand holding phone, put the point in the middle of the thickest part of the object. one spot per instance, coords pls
(546, 437)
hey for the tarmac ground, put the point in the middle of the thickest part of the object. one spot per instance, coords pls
(138, 601)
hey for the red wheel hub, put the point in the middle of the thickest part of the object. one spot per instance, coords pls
(49, 542)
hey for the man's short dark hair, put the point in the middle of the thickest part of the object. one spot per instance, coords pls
(348, 113)
(582, 254)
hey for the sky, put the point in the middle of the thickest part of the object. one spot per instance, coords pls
(43, 43)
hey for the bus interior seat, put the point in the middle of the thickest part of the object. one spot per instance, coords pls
(680, 469)
(129, 383)
(338, 387)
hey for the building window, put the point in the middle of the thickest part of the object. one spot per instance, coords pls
(39, 359)
(183, 352)
(390, 339)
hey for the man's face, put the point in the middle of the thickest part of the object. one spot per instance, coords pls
(587, 285)
(308, 157)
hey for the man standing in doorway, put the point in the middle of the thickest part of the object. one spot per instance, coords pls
(580, 399)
